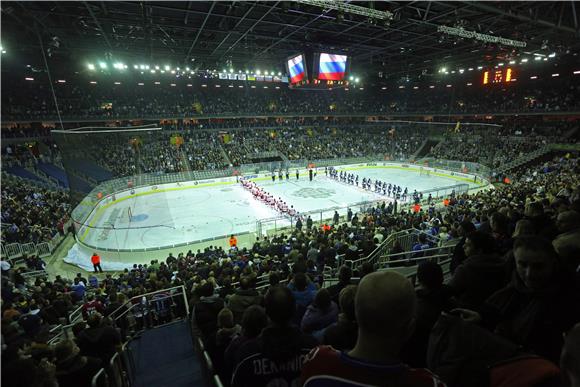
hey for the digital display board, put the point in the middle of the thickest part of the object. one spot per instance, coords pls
(498, 76)
(331, 67)
(296, 68)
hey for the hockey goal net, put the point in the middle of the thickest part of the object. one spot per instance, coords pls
(424, 172)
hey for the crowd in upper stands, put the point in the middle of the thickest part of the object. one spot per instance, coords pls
(523, 236)
(33, 100)
(31, 213)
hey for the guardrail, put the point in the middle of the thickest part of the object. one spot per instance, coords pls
(13, 251)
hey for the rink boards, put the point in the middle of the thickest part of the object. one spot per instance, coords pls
(175, 215)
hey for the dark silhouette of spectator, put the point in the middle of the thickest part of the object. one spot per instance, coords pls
(481, 274)
(253, 321)
(99, 339)
(206, 310)
(72, 369)
(385, 310)
(344, 333)
(465, 228)
(344, 276)
(277, 354)
(320, 314)
(570, 359)
(433, 297)
(243, 298)
(537, 306)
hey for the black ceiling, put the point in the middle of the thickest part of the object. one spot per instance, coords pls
(251, 33)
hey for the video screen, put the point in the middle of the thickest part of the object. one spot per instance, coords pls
(332, 67)
(296, 69)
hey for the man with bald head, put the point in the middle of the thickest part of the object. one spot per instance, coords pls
(385, 311)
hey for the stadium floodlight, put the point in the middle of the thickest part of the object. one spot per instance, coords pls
(146, 67)
(125, 67)
(135, 67)
(463, 33)
(356, 79)
(525, 60)
(231, 71)
(500, 64)
(552, 55)
(29, 79)
(279, 73)
(167, 68)
(512, 62)
(162, 71)
(349, 8)
(247, 72)
(91, 66)
(172, 71)
(152, 71)
(142, 67)
(537, 58)
(576, 72)
(177, 69)
(265, 73)
(479, 67)
(351, 78)
(102, 65)
(443, 69)
(258, 72)
(470, 69)
(156, 67)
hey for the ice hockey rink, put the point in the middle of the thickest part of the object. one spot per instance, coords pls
(192, 213)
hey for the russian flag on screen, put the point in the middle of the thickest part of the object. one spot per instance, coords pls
(332, 67)
(296, 68)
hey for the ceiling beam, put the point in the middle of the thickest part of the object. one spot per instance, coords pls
(200, 30)
(98, 24)
(232, 30)
(252, 27)
(519, 16)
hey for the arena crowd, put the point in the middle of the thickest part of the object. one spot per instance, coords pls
(524, 236)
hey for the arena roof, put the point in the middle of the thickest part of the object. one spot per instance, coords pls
(249, 33)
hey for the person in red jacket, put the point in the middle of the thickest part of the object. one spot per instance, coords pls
(96, 260)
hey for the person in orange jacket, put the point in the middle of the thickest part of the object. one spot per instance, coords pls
(96, 260)
(233, 241)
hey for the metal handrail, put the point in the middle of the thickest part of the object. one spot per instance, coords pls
(129, 301)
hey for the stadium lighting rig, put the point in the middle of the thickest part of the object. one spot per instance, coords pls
(463, 33)
(349, 8)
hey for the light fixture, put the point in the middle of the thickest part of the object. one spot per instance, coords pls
(93, 82)
(534, 77)
(512, 62)
(157, 83)
(576, 72)
(141, 84)
(231, 71)
(479, 67)
(525, 60)
(448, 86)
(431, 87)
(61, 81)
(117, 83)
(102, 65)
(555, 75)
(552, 55)
(29, 79)
(135, 67)
(189, 85)
(167, 68)
(537, 58)
(91, 66)
(258, 72)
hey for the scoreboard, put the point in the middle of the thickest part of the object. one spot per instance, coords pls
(498, 76)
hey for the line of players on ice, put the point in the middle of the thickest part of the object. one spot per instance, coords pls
(260, 194)
(379, 187)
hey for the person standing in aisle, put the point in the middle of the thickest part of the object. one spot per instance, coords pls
(297, 174)
(96, 261)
